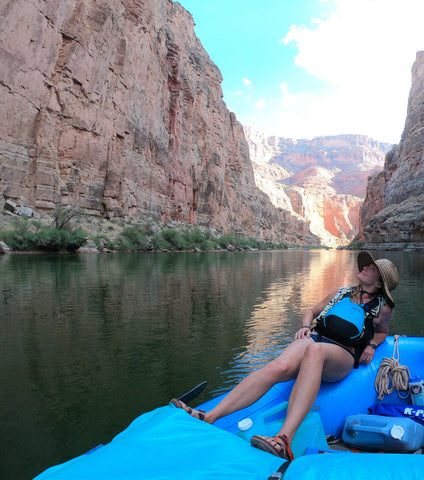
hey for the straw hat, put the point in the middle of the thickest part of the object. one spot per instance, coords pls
(387, 269)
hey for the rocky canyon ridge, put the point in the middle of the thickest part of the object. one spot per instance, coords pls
(392, 215)
(322, 180)
(115, 107)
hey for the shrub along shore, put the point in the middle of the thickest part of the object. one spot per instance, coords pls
(64, 230)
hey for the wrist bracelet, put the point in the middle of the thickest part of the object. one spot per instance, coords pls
(372, 345)
(306, 326)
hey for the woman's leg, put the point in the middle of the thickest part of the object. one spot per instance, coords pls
(253, 387)
(321, 362)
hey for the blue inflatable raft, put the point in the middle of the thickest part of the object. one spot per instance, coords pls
(169, 444)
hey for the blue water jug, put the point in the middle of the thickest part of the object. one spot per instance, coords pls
(378, 432)
(309, 434)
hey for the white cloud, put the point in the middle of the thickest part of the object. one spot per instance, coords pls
(365, 51)
(247, 82)
(261, 103)
(288, 100)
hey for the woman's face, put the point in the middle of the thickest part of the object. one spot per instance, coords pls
(370, 276)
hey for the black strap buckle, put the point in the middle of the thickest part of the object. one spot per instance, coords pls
(279, 474)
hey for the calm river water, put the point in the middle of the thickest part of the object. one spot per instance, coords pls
(89, 342)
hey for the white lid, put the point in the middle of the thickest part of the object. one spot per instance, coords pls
(397, 432)
(245, 424)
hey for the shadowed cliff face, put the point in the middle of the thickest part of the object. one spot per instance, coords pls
(393, 210)
(115, 107)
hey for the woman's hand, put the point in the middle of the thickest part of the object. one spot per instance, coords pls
(367, 355)
(302, 333)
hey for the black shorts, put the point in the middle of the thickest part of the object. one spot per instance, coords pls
(316, 338)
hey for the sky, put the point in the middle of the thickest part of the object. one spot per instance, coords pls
(307, 68)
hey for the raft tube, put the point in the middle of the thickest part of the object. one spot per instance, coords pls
(169, 444)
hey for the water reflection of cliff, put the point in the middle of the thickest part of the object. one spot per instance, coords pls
(299, 280)
(176, 308)
(90, 342)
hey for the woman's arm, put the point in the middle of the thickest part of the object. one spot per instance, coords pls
(381, 330)
(310, 314)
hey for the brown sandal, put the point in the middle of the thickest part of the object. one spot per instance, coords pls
(199, 414)
(283, 449)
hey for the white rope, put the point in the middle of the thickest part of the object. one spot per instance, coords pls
(391, 376)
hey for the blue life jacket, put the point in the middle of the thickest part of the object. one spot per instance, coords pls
(344, 322)
(348, 323)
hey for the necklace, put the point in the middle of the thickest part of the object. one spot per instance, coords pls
(361, 292)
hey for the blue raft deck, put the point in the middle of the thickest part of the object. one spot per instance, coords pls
(167, 443)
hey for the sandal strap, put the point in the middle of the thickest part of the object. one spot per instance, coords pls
(284, 441)
(277, 445)
(179, 404)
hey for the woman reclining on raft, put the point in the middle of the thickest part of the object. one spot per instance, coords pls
(337, 334)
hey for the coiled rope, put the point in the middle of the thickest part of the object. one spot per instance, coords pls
(391, 376)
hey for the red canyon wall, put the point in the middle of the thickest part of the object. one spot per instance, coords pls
(322, 180)
(114, 106)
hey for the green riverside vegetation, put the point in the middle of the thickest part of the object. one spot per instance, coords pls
(26, 235)
(23, 234)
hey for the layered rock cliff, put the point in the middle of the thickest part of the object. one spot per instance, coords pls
(322, 180)
(393, 211)
(115, 107)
